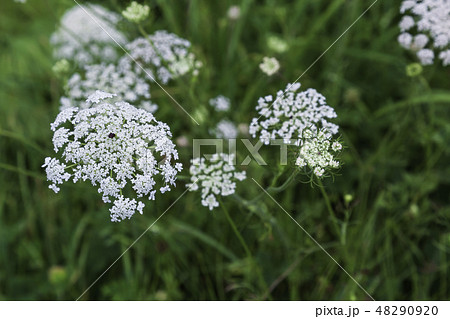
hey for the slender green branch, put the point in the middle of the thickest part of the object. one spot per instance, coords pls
(244, 245)
(21, 171)
(22, 139)
(235, 230)
(330, 209)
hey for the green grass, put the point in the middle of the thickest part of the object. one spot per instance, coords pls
(393, 237)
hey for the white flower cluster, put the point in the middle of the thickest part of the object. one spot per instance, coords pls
(269, 66)
(226, 129)
(125, 79)
(216, 177)
(113, 145)
(165, 53)
(318, 152)
(431, 20)
(86, 34)
(136, 12)
(220, 103)
(290, 113)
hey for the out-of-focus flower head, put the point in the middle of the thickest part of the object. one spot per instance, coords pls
(425, 29)
(220, 103)
(225, 129)
(87, 34)
(234, 12)
(165, 55)
(126, 79)
(136, 12)
(277, 44)
(269, 66)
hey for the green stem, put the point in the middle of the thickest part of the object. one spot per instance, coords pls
(21, 171)
(235, 230)
(22, 139)
(271, 189)
(282, 187)
(330, 209)
(244, 245)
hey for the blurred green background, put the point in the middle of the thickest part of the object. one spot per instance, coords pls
(391, 198)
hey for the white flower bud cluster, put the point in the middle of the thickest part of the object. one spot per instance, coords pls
(113, 146)
(80, 38)
(136, 12)
(165, 53)
(216, 176)
(220, 103)
(430, 19)
(290, 113)
(125, 79)
(318, 152)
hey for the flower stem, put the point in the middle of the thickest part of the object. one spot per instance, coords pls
(235, 230)
(244, 245)
(330, 209)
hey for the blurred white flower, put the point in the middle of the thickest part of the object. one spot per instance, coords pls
(431, 20)
(426, 56)
(165, 55)
(113, 145)
(220, 103)
(445, 57)
(277, 44)
(318, 152)
(182, 141)
(214, 177)
(126, 79)
(234, 12)
(226, 129)
(136, 12)
(269, 66)
(243, 128)
(87, 34)
(290, 113)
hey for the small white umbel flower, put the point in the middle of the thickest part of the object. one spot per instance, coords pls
(289, 113)
(234, 12)
(225, 129)
(125, 78)
(220, 103)
(119, 148)
(269, 66)
(214, 177)
(430, 21)
(87, 33)
(136, 12)
(165, 55)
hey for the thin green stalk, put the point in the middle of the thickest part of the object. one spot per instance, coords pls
(21, 171)
(22, 139)
(244, 245)
(330, 209)
(235, 230)
(271, 189)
